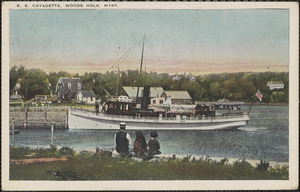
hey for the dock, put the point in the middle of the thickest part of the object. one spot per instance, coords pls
(22, 118)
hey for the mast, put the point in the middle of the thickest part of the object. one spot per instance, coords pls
(118, 81)
(138, 88)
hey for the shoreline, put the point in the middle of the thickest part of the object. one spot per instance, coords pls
(230, 161)
(166, 156)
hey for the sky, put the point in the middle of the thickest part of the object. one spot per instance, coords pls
(177, 41)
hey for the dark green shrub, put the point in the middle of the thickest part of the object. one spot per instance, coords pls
(263, 165)
(242, 163)
(187, 158)
(281, 172)
(224, 161)
(66, 151)
(53, 148)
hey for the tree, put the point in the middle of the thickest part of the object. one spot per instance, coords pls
(277, 97)
(166, 81)
(53, 79)
(88, 81)
(34, 83)
(15, 73)
(13, 78)
(215, 89)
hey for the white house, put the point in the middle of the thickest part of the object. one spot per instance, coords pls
(87, 96)
(176, 77)
(275, 85)
(189, 77)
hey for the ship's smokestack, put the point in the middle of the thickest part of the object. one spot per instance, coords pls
(146, 98)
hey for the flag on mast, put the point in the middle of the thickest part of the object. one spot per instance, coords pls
(259, 95)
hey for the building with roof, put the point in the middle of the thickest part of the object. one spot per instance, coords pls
(66, 88)
(275, 85)
(157, 101)
(176, 77)
(155, 94)
(86, 96)
(178, 97)
(190, 77)
(132, 91)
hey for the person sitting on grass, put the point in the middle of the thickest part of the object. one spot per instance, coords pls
(140, 145)
(154, 146)
(122, 140)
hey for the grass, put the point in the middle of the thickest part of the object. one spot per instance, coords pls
(94, 166)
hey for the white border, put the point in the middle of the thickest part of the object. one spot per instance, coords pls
(292, 183)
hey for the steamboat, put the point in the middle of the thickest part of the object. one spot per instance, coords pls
(140, 115)
(203, 116)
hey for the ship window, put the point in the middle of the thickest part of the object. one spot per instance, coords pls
(110, 106)
(69, 85)
(161, 101)
(154, 101)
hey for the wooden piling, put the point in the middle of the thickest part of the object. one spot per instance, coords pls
(52, 131)
(25, 117)
(45, 116)
(13, 130)
(66, 121)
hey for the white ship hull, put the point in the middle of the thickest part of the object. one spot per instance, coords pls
(79, 119)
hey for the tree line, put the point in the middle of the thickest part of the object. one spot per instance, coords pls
(212, 87)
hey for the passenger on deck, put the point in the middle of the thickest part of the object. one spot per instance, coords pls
(140, 145)
(97, 107)
(104, 107)
(122, 140)
(154, 146)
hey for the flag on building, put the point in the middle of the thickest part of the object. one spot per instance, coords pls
(259, 95)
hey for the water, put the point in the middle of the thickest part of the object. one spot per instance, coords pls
(266, 137)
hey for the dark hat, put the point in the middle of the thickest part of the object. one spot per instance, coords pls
(122, 125)
(153, 134)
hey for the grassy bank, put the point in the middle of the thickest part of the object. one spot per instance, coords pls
(101, 166)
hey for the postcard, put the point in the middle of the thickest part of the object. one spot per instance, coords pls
(150, 95)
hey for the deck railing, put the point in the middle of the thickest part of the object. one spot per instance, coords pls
(92, 112)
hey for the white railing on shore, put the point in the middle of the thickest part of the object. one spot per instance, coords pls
(86, 111)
